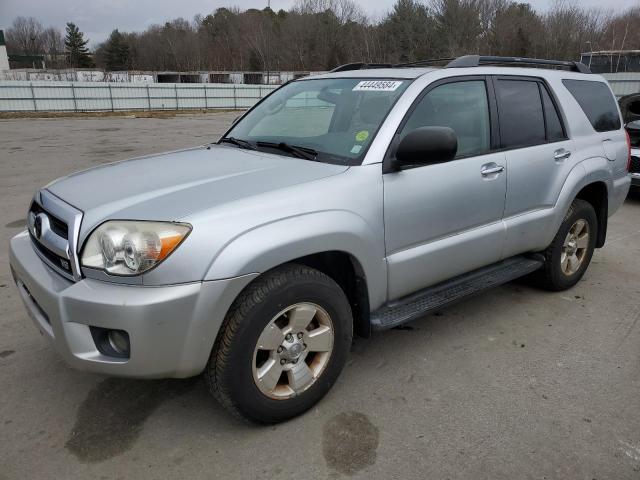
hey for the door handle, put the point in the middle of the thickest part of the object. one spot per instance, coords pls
(486, 171)
(561, 155)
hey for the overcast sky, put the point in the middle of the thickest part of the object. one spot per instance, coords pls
(98, 17)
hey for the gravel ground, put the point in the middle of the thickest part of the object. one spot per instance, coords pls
(515, 383)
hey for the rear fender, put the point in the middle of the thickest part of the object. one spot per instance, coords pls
(590, 171)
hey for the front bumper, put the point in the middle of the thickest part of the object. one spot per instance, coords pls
(171, 329)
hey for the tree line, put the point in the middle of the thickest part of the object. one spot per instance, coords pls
(27, 36)
(321, 34)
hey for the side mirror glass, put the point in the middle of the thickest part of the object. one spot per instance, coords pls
(426, 145)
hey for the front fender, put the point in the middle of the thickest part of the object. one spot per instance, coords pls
(269, 245)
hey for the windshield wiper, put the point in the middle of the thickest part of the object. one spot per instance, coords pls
(300, 152)
(238, 142)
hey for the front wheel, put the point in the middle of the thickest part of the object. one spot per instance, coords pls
(282, 345)
(569, 255)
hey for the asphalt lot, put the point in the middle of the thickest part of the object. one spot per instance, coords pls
(515, 383)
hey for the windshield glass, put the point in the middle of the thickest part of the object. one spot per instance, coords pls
(333, 120)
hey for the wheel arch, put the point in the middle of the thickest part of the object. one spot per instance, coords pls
(597, 195)
(338, 243)
(347, 272)
(344, 269)
(590, 180)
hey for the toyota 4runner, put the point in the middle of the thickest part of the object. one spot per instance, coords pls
(340, 204)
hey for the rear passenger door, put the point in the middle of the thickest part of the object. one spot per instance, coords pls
(538, 156)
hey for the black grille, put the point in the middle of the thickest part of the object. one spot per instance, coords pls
(59, 227)
(635, 165)
(61, 263)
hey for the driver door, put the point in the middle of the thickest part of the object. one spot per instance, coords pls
(442, 220)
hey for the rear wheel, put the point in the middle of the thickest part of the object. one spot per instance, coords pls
(569, 255)
(282, 345)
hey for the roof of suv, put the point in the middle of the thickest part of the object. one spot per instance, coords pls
(413, 73)
(377, 73)
(478, 64)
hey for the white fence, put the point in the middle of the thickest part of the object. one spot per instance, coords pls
(43, 96)
(16, 96)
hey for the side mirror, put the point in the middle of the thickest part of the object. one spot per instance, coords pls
(424, 146)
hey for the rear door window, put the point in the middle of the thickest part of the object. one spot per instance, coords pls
(521, 115)
(597, 102)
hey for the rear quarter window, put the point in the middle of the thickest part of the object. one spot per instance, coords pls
(597, 102)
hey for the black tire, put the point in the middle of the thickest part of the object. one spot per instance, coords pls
(551, 276)
(229, 373)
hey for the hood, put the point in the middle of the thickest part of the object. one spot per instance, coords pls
(172, 185)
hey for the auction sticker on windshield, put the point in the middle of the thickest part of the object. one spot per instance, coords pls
(377, 86)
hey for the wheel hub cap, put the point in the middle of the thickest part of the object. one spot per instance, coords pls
(291, 350)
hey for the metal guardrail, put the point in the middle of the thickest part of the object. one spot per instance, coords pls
(20, 96)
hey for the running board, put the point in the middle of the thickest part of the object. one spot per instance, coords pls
(434, 298)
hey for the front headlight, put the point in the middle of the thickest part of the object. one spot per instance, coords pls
(123, 247)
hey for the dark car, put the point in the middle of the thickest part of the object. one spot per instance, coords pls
(630, 108)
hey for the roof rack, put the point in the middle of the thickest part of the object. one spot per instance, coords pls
(470, 61)
(420, 63)
(477, 60)
(360, 66)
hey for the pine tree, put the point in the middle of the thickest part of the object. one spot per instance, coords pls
(76, 48)
(116, 52)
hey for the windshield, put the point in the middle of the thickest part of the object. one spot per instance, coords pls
(329, 120)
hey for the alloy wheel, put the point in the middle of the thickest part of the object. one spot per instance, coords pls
(293, 350)
(575, 247)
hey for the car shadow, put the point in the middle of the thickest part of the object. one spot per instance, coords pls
(112, 416)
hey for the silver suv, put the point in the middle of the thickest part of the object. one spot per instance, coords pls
(342, 203)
